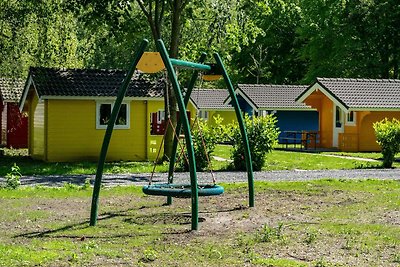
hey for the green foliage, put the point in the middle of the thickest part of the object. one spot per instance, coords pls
(263, 136)
(75, 187)
(350, 38)
(273, 56)
(269, 234)
(311, 236)
(149, 255)
(13, 178)
(129, 236)
(205, 137)
(388, 137)
(38, 33)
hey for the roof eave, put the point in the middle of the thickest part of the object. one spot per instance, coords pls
(29, 82)
(288, 108)
(374, 109)
(240, 92)
(319, 86)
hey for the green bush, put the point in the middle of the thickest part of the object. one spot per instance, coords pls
(388, 137)
(13, 178)
(262, 133)
(205, 137)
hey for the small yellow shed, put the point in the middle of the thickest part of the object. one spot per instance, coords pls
(69, 109)
(209, 104)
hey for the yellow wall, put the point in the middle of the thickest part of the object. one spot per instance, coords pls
(37, 122)
(72, 133)
(367, 139)
(228, 116)
(65, 130)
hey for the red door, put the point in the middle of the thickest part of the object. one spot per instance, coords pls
(2, 129)
(17, 127)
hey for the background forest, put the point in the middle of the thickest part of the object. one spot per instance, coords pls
(269, 41)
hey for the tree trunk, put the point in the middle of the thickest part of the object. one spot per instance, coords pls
(173, 53)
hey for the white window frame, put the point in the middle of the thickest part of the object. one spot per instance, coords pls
(128, 119)
(160, 116)
(263, 113)
(203, 114)
(353, 122)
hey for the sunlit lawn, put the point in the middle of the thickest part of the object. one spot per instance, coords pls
(303, 224)
(276, 160)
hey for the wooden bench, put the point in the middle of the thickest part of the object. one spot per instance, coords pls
(291, 138)
(302, 138)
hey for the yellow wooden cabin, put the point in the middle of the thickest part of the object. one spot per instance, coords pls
(210, 103)
(69, 109)
(348, 108)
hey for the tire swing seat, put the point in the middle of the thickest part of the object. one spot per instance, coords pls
(182, 190)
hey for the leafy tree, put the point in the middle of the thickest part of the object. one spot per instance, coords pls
(273, 57)
(350, 38)
(36, 33)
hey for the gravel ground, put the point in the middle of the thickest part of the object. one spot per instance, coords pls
(143, 178)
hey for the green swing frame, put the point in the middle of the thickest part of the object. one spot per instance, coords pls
(183, 122)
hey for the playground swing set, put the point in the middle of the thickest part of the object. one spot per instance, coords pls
(152, 62)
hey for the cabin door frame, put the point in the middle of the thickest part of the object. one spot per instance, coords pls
(338, 124)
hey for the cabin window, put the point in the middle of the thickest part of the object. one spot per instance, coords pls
(103, 115)
(160, 116)
(351, 118)
(203, 115)
(338, 118)
(157, 122)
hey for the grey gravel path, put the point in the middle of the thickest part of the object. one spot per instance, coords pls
(142, 178)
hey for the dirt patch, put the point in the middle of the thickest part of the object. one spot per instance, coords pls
(284, 224)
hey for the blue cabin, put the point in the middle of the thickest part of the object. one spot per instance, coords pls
(294, 118)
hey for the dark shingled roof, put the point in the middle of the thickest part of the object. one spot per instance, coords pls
(270, 96)
(210, 98)
(11, 89)
(364, 93)
(90, 83)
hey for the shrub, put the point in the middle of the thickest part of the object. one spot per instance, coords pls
(13, 178)
(262, 134)
(205, 138)
(388, 137)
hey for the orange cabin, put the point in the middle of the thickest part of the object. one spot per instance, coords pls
(348, 108)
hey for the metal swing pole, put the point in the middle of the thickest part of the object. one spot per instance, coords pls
(179, 125)
(186, 128)
(109, 130)
(235, 103)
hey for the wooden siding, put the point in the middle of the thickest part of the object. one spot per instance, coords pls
(72, 133)
(367, 139)
(37, 124)
(324, 106)
(17, 127)
(355, 137)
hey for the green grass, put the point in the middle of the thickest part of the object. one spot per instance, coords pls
(315, 223)
(29, 166)
(276, 160)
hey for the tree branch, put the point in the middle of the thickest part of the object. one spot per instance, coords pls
(143, 8)
(171, 3)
